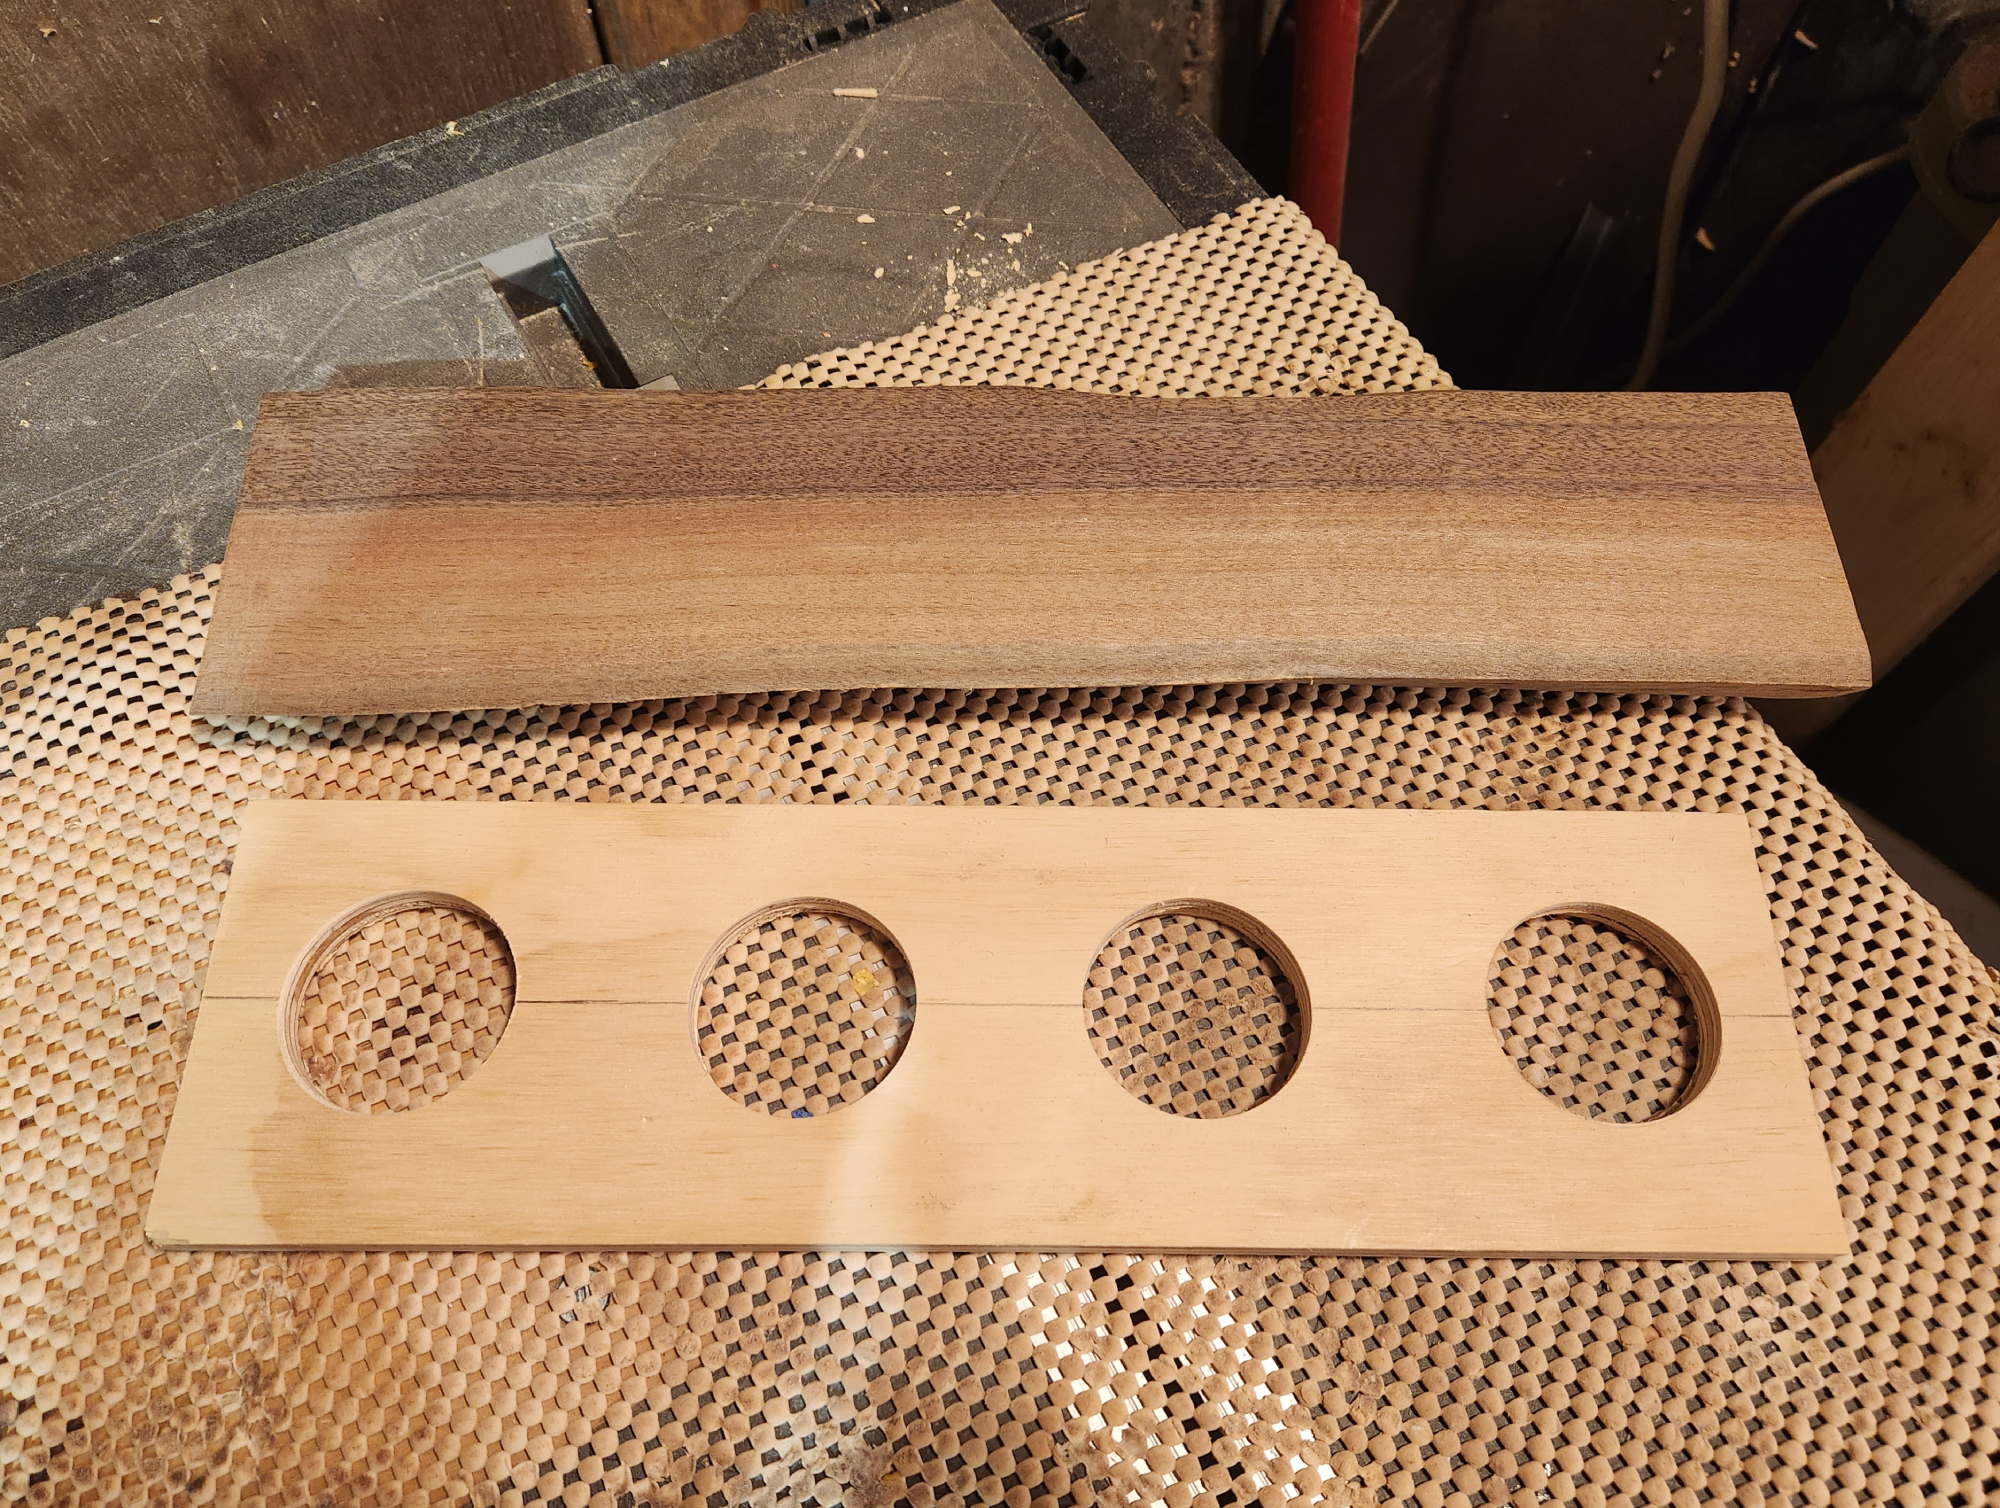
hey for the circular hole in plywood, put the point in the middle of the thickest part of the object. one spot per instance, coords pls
(397, 1003)
(803, 1007)
(1603, 1013)
(1196, 1009)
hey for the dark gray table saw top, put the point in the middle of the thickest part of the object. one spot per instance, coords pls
(718, 239)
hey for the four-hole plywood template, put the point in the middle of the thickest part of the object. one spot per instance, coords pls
(508, 547)
(592, 1122)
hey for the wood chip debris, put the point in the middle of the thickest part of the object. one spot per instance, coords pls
(854, 94)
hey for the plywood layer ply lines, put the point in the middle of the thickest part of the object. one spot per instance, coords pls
(586, 1118)
(403, 551)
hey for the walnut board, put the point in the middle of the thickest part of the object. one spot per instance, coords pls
(593, 1123)
(445, 550)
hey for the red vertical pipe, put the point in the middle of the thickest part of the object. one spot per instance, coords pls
(1327, 39)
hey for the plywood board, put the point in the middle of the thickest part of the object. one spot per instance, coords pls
(594, 1124)
(447, 550)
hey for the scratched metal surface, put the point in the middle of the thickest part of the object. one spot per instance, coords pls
(720, 240)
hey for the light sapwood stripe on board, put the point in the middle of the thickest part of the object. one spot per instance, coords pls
(433, 550)
(594, 1123)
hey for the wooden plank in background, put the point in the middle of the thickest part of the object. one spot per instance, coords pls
(114, 122)
(594, 1123)
(640, 32)
(442, 550)
(1911, 475)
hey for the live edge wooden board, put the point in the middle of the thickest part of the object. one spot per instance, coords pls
(406, 551)
(594, 1124)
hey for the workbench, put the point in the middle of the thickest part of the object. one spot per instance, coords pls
(134, 1375)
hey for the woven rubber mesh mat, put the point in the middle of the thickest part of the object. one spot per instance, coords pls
(775, 1378)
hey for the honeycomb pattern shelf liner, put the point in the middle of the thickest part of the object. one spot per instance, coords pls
(1254, 302)
(871, 1380)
